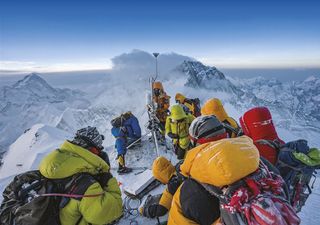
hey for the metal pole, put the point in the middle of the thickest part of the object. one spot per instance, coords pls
(155, 54)
(156, 67)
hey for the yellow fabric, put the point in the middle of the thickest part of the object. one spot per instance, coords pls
(157, 85)
(163, 103)
(180, 97)
(175, 214)
(166, 199)
(221, 162)
(71, 159)
(181, 128)
(177, 112)
(162, 169)
(214, 107)
(121, 160)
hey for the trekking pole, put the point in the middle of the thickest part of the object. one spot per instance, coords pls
(129, 146)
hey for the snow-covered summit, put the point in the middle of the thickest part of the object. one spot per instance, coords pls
(32, 100)
(206, 77)
(33, 81)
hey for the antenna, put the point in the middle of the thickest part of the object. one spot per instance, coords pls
(155, 54)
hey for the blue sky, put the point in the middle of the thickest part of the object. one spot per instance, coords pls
(76, 35)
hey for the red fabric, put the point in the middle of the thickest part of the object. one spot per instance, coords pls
(95, 151)
(257, 124)
(258, 201)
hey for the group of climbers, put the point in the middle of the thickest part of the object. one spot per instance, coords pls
(225, 174)
(196, 187)
(215, 163)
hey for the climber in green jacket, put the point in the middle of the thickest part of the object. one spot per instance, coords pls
(84, 154)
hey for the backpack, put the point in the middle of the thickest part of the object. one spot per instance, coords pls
(258, 125)
(118, 121)
(259, 198)
(297, 166)
(33, 199)
(195, 102)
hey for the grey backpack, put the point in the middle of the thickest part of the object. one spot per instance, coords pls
(32, 199)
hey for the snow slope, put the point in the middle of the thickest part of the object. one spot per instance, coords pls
(27, 151)
(30, 101)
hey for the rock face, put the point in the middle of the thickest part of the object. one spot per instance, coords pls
(32, 100)
(293, 104)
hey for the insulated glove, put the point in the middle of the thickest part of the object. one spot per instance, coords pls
(150, 206)
(299, 145)
(172, 135)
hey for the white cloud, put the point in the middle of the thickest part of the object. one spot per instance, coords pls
(27, 66)
(260, 62)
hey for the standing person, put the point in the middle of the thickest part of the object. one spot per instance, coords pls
(193, 105)
(177, 128)
(214, 107)
(162, 102)
(121, 146)
(84, 156)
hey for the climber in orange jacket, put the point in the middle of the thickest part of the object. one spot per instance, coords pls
(162, 103)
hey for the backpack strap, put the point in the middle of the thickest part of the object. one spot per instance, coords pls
(227, 126)
(75, 188)
(273, 144)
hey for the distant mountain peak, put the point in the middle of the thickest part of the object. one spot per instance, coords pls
(312, 79)
(33, 80)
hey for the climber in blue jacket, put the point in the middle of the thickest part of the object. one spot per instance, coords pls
(132, 128)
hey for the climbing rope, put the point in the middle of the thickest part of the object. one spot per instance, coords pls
(131, 209)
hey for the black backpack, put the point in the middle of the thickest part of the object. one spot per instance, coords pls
(118, 121)
(32, 199)
(196, 104)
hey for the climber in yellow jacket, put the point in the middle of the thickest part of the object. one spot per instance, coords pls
(217, 163)
(193, 105)
(165, 172)
(203, 129)
(177, 128)
(84, 155)
(214, 107)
